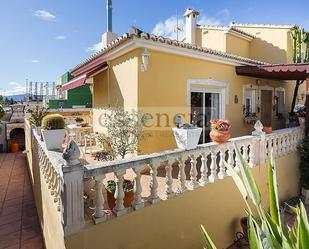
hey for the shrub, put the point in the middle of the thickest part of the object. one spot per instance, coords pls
(125, 130)
(37, 115)
(127, 186)
(266, 230)
(303, 149)
(53, 122)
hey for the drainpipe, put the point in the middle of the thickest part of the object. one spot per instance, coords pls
(108, 88)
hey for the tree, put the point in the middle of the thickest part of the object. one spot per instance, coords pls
(300, 54)
(125, 130)
(266, 230)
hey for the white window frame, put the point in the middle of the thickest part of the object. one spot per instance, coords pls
(254, 91)
(277, 90)
(205, 86)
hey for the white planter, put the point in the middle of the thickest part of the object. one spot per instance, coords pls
(187, 138)
(38, 131)
(53, 138)
(305, 195)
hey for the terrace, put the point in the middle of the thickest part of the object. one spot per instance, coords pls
(180, 188)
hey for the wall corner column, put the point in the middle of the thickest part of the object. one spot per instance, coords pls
(73, 191)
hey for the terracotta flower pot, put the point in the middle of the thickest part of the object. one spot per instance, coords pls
(127, 200)
(244, 226)
(268, 129)
(220, 136)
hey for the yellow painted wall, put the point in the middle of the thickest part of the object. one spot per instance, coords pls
(272, 45)
(163, 89)
(238, 46)
(50, 218)
(116, 86)
(213, 39)
(174, 224)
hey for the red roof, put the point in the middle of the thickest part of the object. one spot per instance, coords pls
(299, 71)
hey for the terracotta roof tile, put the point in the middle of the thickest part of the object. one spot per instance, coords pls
(134, 32)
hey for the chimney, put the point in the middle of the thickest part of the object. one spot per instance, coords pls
(191, 16)
(108, 36)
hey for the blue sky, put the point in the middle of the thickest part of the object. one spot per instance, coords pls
(41, 39)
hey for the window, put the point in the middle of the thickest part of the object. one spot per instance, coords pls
(249, 101)
(280, 103)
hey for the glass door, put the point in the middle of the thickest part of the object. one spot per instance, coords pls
(205, 106)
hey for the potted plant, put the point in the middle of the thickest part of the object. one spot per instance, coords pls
(79, 121)
(303, 149)
(250, 118)
(36, 117)
(300, 111)
(187, 136)
(128, 193)
(220, 130)
(53, 131)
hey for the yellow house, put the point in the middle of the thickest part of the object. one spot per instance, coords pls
(164, 78)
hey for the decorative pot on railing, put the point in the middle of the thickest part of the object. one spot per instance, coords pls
(187, 136)
(220, 131)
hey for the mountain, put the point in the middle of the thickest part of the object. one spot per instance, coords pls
(18, 97)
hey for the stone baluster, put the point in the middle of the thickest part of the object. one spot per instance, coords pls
(181, 176)
(168, 181)
(99, 214)
(230, 159)
(288, 143)
(279, 145)
(212, 175)
(237, 162)
(245, 152)
(221, 173)
(72, 190)
(119, 208)
(284, 144)
(203, 179)
(137, 188)
(154, 198)
(193, 173)
(251, 155)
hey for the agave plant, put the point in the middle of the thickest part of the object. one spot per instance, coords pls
(266, 230)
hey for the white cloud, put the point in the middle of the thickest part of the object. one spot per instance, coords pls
(95, 48)
(167, 28)
(35, 61)
(16, 88)
(45, 15)
(60, 37)
(223, 14)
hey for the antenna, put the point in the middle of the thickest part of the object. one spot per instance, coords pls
(177, 28)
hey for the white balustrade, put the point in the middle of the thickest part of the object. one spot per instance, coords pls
(137, 188)
(99, 214)
(206, 161)
(181, 176)
(193, 173)
(119, 193)
(168, 181)
(153, 198)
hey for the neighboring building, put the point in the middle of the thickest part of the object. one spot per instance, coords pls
(80, 97)
(165, 78)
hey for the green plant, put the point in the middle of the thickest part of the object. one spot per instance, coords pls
(125, 130)
(127, 186)
(266, 229)
(37, 115)
(53, 122)
(2, 114)
(79, 119)
(303, 149)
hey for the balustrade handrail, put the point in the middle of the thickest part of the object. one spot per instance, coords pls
(94, 169)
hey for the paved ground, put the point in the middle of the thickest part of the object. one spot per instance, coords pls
(19, 225)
